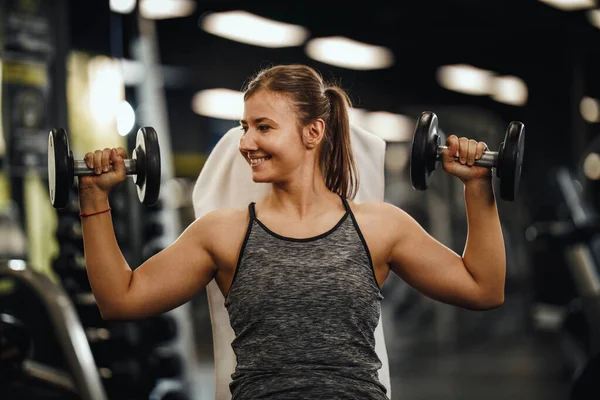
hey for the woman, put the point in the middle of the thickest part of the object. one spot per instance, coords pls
(301, 270)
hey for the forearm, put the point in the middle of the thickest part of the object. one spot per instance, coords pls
(107, 270)
(484, 254)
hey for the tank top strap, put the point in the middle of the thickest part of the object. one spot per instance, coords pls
(346, 205)
(252, 211)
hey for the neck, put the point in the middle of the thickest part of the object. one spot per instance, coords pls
(301, 199)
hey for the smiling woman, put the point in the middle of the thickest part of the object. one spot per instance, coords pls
(301, 269)
(322, 108)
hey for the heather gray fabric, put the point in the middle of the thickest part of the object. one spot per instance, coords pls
(304, 312)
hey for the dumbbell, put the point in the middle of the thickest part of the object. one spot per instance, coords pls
(426, 155)
(144, 166)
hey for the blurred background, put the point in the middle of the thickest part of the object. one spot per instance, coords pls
(103, 69)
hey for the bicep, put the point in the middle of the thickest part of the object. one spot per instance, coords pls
(173, 276)
(428, 265)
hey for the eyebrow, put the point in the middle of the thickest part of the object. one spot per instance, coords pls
(258, 120)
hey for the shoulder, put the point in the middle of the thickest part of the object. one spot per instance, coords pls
(384, 214)
(224, 218)
(221, 229)
(375, 208)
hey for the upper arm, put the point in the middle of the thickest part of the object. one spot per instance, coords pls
(428, 265)
(173, 276)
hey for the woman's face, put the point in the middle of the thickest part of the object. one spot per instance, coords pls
(272, 143)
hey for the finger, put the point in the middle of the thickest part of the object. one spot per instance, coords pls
(105, 160)
(472, 146)
(98, 162)
(118, 163)
(89, 160)
(121, 152)
(463, 149)
(481, 148)
(452, 144)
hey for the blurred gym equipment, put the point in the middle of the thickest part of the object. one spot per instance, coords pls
(35, 310)
(578, 234)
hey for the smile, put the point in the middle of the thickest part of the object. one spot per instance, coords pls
(255, 162)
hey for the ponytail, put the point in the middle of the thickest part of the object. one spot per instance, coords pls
(336, 158)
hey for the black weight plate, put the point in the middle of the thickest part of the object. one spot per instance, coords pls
(147, 153)
(60, 173)
(421, 167)
(511, 161)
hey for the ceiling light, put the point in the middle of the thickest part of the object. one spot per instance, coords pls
(219, 103)
(465, 78)
(591, 166)
(509, 90)
(390, 127)
(594, 17)
(122, 6)
(357, 116)
(163, 9)
(570, 5)
(590, 109)
(347, 53)
(125, 118)
(248, 28)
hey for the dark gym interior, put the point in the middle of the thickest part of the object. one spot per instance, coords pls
(79, 75)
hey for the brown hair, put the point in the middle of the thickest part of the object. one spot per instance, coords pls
(312, 98)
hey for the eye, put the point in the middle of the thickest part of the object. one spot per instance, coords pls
(244, 128)
(263, 128)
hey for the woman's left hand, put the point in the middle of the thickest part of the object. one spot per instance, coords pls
(468, 150)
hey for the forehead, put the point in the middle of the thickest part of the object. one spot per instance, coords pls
(267, 104)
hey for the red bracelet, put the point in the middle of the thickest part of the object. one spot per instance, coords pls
(96, 213)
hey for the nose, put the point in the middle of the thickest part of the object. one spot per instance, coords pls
(247, 142)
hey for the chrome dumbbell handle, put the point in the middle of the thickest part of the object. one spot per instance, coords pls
(489, 159)
(80, 168)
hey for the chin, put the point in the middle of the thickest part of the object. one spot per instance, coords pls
(256, 178)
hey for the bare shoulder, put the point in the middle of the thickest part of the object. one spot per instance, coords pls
(223, 219)
(377, 209)
(386, 216)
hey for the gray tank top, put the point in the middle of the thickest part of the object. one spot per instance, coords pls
(304, 312)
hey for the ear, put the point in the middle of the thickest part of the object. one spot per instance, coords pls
(313, 133)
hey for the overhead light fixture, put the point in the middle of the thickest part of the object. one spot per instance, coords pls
(465, 78)
(389, 126)
(594, 17)
(570, 5)
(106, 89)
(125, 118)
(591, 166)
(122, 6)
(248, 28)
(590, 109)
(347, 53)
(509, 90)
(164, 9)
(219, 103)
(357, 116)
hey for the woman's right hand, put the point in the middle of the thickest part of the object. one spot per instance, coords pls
(104, 179)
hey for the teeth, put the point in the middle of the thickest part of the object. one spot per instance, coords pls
(257, 160)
